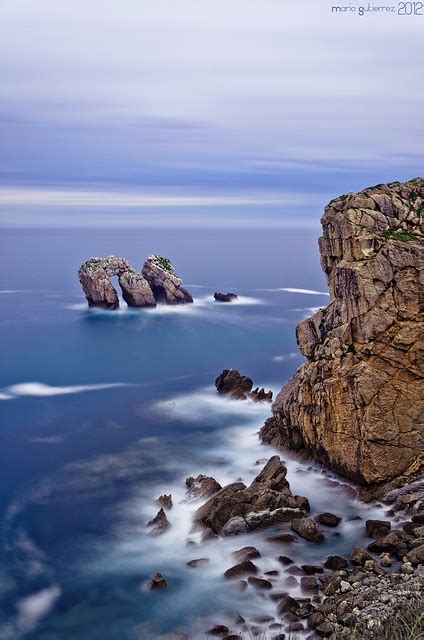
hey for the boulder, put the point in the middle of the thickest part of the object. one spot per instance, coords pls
(260, 395)
(165, 284)
(237, 508)
(157, 581)
(259, 583)
(246, 553)
(360, 556)
(356, 404)
(377, 528)
(94, 275)
(335, 563)
(416, 556)
(225, 297)
(308, 529)
(242, 568)
(328, 519)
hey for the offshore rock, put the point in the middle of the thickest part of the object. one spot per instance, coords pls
(94, 275)
(238, 509)
(225, 297)
(231, 382)
(357, 403)
(164, 282)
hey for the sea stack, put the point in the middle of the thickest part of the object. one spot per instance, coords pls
(357, 403)
(164, 282)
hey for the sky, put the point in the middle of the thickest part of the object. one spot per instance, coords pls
(208, 110)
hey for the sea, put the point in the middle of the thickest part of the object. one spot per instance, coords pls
(103, 411)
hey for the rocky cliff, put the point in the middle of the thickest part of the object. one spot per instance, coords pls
(166, 285)
(357, 403)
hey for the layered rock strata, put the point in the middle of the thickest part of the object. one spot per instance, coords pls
(357, 403)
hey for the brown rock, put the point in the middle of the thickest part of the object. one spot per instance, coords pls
(284, 538)
(202, 486)
(416, 556)
(357, 402)
(157, 581)
(328, 519)
(165, 501)
(246, 553)
(335, 563)
(360, 556)
(198, 562)
(164, 282)
(259, 583)
(225, 297)
(308, 529)
(240, 569)
(231, 382)
(218, 630)
(159, 523)
(377, 528)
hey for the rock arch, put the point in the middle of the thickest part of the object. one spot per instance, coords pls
(158, 282)
(94, 276)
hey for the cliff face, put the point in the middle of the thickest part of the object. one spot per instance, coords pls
(357, 403)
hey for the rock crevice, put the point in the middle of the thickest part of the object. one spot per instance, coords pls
(357, 402)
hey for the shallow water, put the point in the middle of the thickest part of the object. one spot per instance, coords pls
(103, 411)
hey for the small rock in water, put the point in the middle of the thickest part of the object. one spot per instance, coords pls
(218, 630)
(246, 553)
(360, 555)
(285, 560)
(284, 538)
(157, 581)
(328, 519)
(240, 569)
(309, 584)
(311, 569)
(225, 297)
(259, 583)
(308, 529)
(165, 501)
(385, 560)
(197, 562)
(159, 523)
(202, 486)
(260, 394)
(291, 581)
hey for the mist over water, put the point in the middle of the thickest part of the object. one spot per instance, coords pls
(101, 412)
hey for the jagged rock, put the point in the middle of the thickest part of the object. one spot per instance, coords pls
(94, 275)
(266, 501)
(357, 402)
(308, 529)
(328, 519)
(202, 486)
(159, 523)
(165, 501)
(225, 297)
(360, 556)
(231, 382)
(164, 282)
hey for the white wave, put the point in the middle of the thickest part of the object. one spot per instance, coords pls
(35, 607)
(207, 403)
(287, 356)
(310, 292)
(39, 389)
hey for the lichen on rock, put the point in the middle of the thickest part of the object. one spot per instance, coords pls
(357, 403)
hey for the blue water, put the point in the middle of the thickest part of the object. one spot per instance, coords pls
(102, 411)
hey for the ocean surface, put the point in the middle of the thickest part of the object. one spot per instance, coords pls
(101, 412)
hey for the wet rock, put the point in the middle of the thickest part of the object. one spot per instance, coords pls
(328, 519)
(308, 529)
(240, 569)
(225, 297)
(159, 523)
(285, 560)
(198, 562)
(157, 581)
(418, 518)
(360, 555)
(165, 501)
(246, 553)
(315, 619)
(385, 560)
(94, 275)
(284, 538)
(259, 583)
(164, 282)
(260, 395)
(218, 630)
(335, 563)
(339, 405)
(232, 636)
(242, 585)
(324, 630)
(267, 501)
(272, 572)
(202, 486)
(377, 528)
(287, 604)
(311, 569)
(231, 382)
(416, 556)
(309, 584)
(291, 582)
